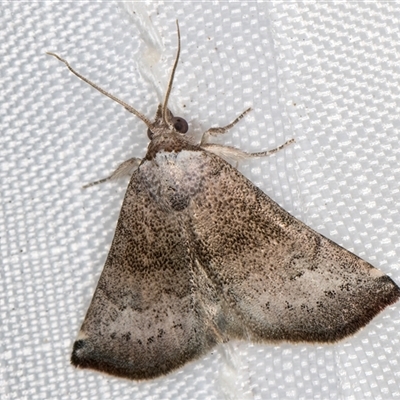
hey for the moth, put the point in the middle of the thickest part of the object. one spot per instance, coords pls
(201, 256)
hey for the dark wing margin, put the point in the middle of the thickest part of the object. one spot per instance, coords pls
(153, 309)
(283, 280)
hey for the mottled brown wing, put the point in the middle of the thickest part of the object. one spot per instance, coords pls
(284, 281)
(153, 309)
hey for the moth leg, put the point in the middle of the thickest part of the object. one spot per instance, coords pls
(219, 131)
(232, 153)
(126, 168)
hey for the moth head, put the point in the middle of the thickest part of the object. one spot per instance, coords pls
(172, 123)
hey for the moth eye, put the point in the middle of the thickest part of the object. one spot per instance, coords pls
(149, 134)
(180, 124)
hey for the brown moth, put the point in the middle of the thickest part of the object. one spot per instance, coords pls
(201, 256)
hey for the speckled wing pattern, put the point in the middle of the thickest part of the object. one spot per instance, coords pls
(153, 309)
(201, 256)
(284, 280)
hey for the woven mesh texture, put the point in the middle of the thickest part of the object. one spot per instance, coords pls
(326, 74)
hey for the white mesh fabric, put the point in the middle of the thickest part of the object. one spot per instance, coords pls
(325, 74)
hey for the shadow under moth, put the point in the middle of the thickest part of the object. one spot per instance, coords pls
(201, 256)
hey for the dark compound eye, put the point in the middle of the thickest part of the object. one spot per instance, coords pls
(180, 124)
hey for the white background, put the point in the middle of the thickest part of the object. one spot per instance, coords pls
(326, 74)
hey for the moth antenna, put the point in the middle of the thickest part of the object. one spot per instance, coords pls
(125, 105)
(171, 79)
